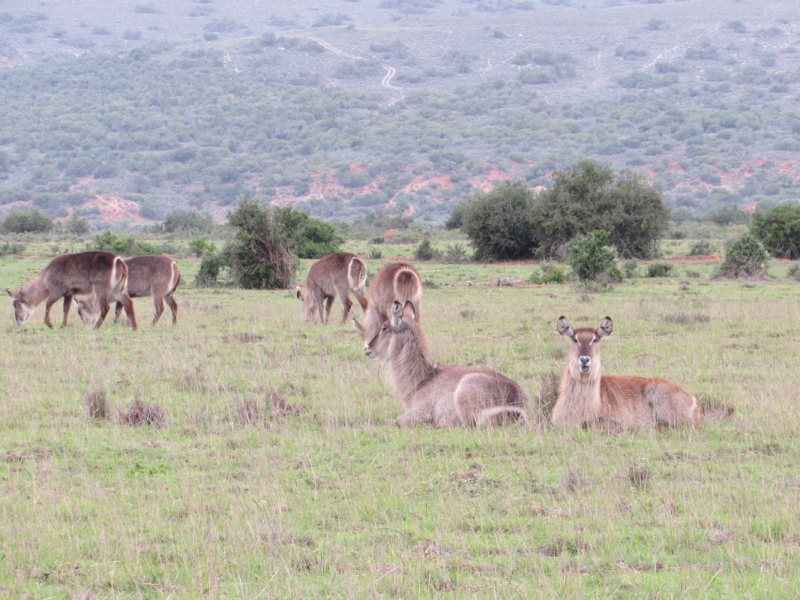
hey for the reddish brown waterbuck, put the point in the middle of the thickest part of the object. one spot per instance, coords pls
(333, 275)
(156, 276)
(102, 274)
(585, 397)
(398, 282)
(443, 396)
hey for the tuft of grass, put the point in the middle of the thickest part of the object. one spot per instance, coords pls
(546, 395)
(682, 318)
(714, 410)
(97, 404)
(140, 414)
(639, 477)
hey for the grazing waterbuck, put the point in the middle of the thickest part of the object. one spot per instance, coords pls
(585, 397)
(333, 275)
(103, 274)
(150, 275)
(444, 396)
(398, 282)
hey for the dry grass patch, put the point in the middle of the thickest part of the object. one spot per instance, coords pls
(141, 414)
(97, 404)
(682, 318)
(713, 410)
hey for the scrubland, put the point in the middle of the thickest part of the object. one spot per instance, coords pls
(274, 469)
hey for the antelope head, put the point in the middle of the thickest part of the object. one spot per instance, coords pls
(584, 356)
(384, 345)
(22, 311)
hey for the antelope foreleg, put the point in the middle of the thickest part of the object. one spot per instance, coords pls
(67, 305)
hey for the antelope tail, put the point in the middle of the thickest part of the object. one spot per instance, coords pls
(357, 274)
(119, 276)
(489, 416)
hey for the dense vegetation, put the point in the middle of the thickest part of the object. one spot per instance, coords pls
(779, 231)
(512, 222)
(213, 109)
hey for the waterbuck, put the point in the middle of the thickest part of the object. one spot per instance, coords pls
(585, 397)
(333, 275)
(398, 282)
(444, 396)
(102, 274)
(156, 276)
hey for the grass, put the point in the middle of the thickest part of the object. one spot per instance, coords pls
(277, 472)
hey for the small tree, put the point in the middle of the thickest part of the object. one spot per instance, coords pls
(260, 256)
(746, 257)
(202, 247)
(76, 226)
(498, 223)
(26, 221)
(779, 230)
(592, 259)
(424, 251)
(312, 238)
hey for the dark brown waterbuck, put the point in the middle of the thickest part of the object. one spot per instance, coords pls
(398, 282)
(102, 274)
(443, 396)
(333, 275)
(156, 276)
(585, 397)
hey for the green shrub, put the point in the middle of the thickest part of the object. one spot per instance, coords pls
(187, 220)
(424, 251)
(310, 237)
(549, 273)
(26, 221)
(660, 269)
(498, 223)
(701, 248)
(208, 273)
(746, 257)
(779, 230)
(454, 253)
(76, 226)
(592, 260)
(124, 246)
(202, 247)
(630, 268)
(12, 248)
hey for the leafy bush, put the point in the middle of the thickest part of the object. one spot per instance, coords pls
(746, 257)
(202, 247)
(455, 220)
(311, 238)
(454, 253)
(12, 248)
(779, 230)
(260, 256)
(424, 251)
(591, 259)
(701, 248)
(26, 221)
(591, 197)
(187, 220)
(124, 246)
(794, 272)
(498, 223)
(549, 273)
(659, 269)
(630, 268)
(208, 273)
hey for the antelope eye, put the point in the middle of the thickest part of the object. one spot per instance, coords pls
(383, 327)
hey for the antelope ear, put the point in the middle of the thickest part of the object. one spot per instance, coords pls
(564, 328)
(357, 325)
(299, 295)
(397, 313)
(12, 294)
(409, 312)
(606, 327)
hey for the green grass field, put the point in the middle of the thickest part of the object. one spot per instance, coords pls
(278, 472)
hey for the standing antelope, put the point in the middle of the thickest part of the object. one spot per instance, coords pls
(444, 396)
(333, 275)
(156, 276)
(619, 402)
(103, 274)
(398, 282)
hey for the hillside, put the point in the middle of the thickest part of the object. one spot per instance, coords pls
(123, 111)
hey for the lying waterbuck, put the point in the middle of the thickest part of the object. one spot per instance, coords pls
(398, 282)
(444, 396)
(333, 275)
(616, 402)
(102, 274)
(156, 276)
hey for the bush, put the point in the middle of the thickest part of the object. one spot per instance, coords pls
(498, 223)
(202, 247)
(454, 253)
(590, 197)
(124, 246)
(746, 257)
(630, 268)
(76, 226)
(424, 251)
(12, 248)
(456, 218)
(311, 238)
(660, 269)
(591, 259)
(260, 257)
(701, 248)
(26, 221)
(779, 230)
(209, 270)
(187, 220)
(794, 272)
(549, 273)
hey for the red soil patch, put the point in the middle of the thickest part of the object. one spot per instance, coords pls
(113, 208)
(701, 258)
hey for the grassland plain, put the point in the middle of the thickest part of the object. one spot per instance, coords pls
(278, 472)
